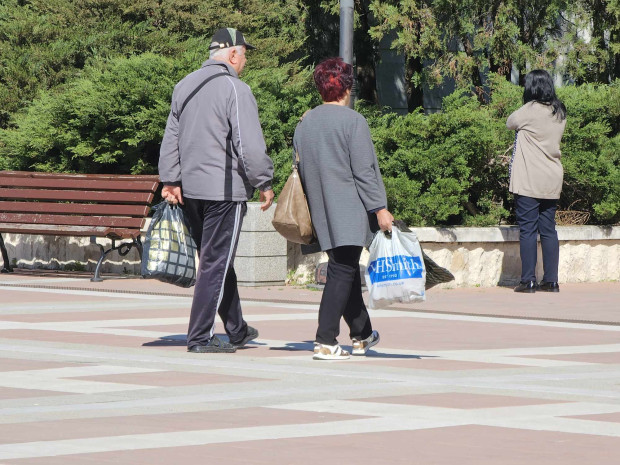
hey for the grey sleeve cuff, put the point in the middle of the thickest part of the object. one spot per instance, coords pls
(172, 183)
(375, 210)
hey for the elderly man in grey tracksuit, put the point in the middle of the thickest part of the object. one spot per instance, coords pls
(212, 157)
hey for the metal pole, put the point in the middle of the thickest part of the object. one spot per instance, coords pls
(346, 36)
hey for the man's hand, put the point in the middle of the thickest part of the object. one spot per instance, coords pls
(385, 218)
(172, 194)
(267, 198)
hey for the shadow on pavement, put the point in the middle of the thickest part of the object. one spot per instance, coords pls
(373, 354)
(168, 341)
(305, 346)
(180, 340)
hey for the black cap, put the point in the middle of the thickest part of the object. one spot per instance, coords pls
(228, 37)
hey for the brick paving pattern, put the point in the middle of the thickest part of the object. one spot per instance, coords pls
(98, 374)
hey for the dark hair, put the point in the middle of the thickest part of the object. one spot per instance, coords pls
(539, 88)
(333, 77)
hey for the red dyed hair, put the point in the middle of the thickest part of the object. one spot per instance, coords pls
(333, 77)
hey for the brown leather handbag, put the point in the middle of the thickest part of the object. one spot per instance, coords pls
(292, 216)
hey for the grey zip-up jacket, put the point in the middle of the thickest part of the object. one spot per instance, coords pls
(215, 150)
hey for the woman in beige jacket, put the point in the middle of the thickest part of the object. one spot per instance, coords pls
(536, 177)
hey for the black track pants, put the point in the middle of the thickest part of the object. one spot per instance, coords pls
(215, 227)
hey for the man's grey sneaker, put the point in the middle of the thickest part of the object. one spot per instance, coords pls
(215, 345)
(325, 352)
(361, 346)
(250, 335)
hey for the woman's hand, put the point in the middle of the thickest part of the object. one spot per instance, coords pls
(385, 218)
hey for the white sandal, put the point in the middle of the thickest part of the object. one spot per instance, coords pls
(361, 346)
(325, 352)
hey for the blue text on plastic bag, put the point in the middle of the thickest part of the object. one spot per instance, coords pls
(395, 268)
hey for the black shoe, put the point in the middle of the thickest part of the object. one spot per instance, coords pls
(215, 345)
(528, 287)
(250, 335)
(551, 286)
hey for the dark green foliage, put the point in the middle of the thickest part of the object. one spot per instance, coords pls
(460, 39)
(591, 150)
(106, 111)
(452, 167)
(444, 168)
(109, 120)
(85, 86)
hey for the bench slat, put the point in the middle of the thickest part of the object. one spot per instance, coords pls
(108, 221)
(88, 196)
(82, 184)
(74, 208)
(99, 231)
(36, 174)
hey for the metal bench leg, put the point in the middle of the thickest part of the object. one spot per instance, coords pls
(97, 276)
(123, 249)
(138, 245)
(7, 268)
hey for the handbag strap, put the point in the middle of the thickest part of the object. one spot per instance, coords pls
(296, 161)
(197, 89)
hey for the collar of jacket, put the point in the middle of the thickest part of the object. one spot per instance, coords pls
(221, 64)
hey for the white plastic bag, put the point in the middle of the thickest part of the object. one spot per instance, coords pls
(395, 271)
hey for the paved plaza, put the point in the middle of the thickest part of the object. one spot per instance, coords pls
(99, 374)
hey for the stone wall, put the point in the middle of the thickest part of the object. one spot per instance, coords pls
(66, 253)
(490, 256)
(261, 254)
(476, 256)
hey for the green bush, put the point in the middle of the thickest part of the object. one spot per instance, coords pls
(445, 168)
(452, 167)
(110, 120)
(591, 151)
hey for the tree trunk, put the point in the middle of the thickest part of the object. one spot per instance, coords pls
(415, 95)
(365, 56)
(598, 38)
(476, 80)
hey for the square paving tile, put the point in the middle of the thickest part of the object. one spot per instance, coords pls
(603, 357)
(7, 393)
(98, 314)
(460, 400)
(69, 337)
(16, 364)
(464, 445)
(159, 423)
(432, 334)
(430, 363)
(611, 417)
(169, 378)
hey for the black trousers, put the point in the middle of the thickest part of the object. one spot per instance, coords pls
(342, 296)
(537, 216)
(215, 227)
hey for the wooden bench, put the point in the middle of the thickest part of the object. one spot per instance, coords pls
(95, 205)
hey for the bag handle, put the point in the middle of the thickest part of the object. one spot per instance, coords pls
(296, 160)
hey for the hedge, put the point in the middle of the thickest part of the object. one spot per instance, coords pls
(444, 168)
(452, 167)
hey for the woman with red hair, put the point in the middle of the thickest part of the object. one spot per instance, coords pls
(340, 173)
